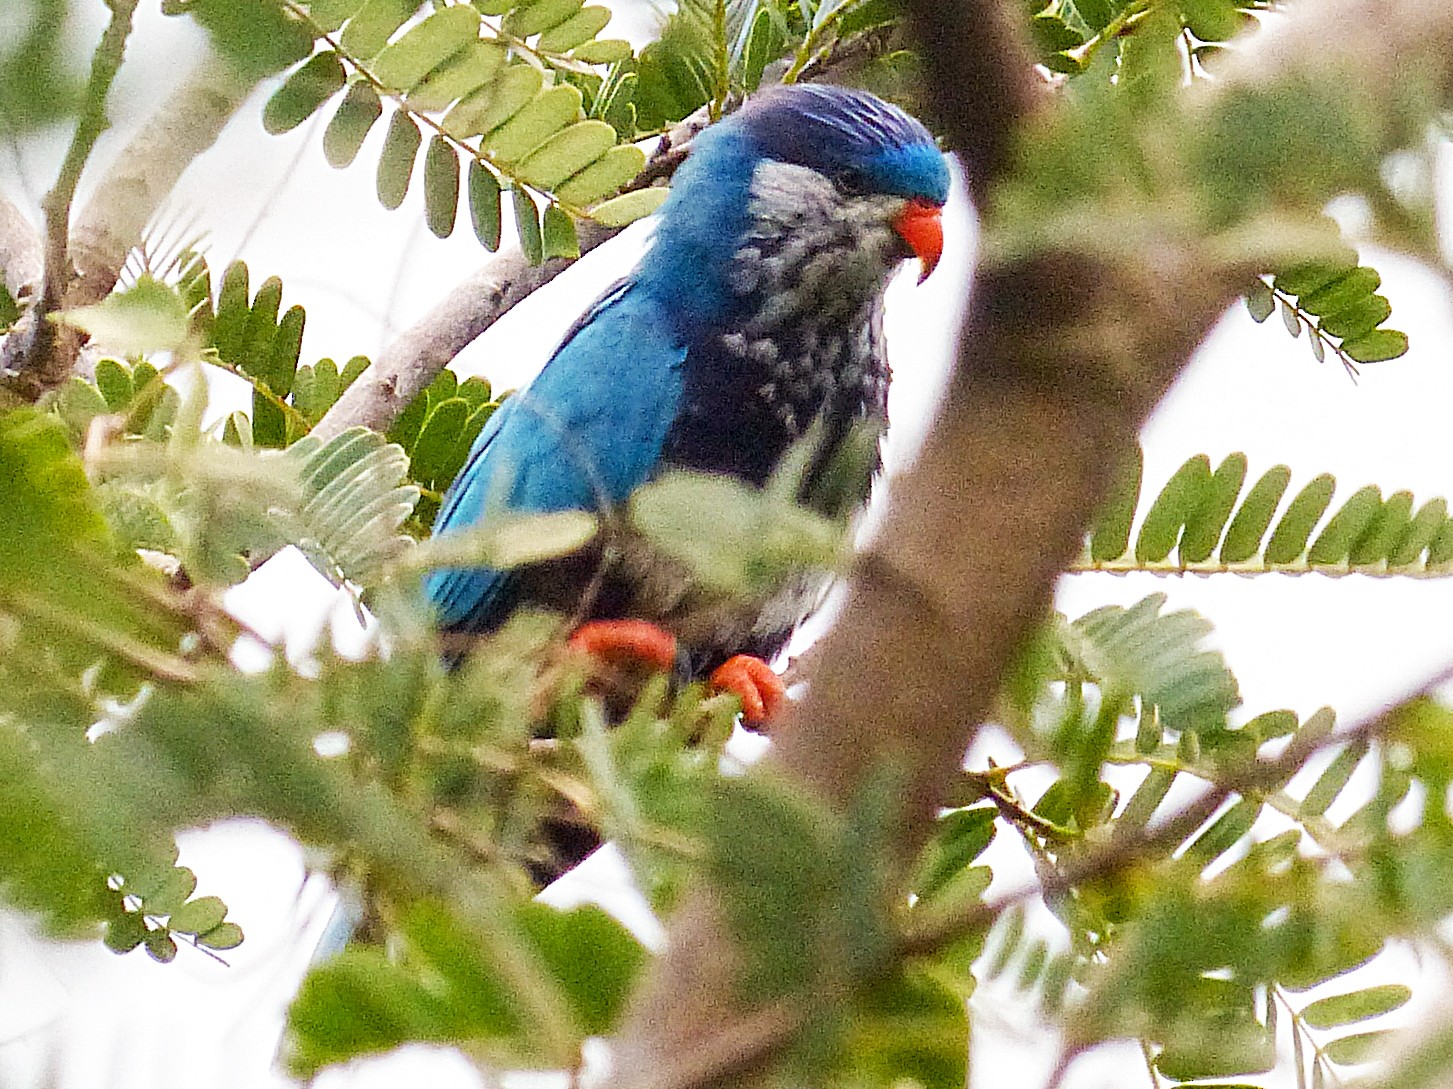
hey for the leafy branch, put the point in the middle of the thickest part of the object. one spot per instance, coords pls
(1214, 524)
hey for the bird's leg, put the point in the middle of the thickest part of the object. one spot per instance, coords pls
(621, 642)
(618, 641)
(752, 681)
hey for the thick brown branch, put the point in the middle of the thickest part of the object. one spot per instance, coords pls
(412, 361)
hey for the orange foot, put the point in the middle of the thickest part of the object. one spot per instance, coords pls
(620, 641)
(752, 681)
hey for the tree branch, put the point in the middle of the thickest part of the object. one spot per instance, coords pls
(412, 361)
(982, 81)
(1064, 353)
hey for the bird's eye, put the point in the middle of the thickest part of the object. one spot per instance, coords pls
(853, 183)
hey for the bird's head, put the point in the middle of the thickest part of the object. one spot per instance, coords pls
(866, 147)
(789, 155)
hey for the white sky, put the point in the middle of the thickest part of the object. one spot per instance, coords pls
(75, 1016)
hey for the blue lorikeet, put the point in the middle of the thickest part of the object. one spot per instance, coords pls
(754, 317)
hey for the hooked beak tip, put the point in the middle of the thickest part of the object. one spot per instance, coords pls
(920, 224)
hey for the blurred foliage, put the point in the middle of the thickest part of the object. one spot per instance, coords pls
(39, 81)
(431, 780)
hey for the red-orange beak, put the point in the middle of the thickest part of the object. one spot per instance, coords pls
(921, 225)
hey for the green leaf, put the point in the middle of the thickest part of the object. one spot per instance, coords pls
(959, 837)
(1111, 535)
(1307, 278)
(1431, 518)
(1385, 531)
(1330, 783)
(1291, 533)
(78, 403)
(358, 1003)
(1243, 536)
(604, 176)
(490, 107)
(560, 239)
(1177, 502)
(1377, 346)
(198, 916)
(425, 46)
(1223, 834)
(484, 205)
(304, 93)
(160, 946)
(256, 36)
(441, 187)
(566, 153)
(908, 1029)
(356, 500)
(146, 317)
(477, 64)
(551, 110)
(538, 16)
(595, 961)
(1260, 301)
(508, 542)
(221, 937)
(125, 932)
(1343, 528)
(113, 379)
(1205, 523)
(437, 439)
(628, 207)
(167, 892)
(1347, 289)
(731, 535)
(396, 164)
(1363, 1047)
(1358, 319)
(351, 123)
(370, 29)
(329, 15)
(1347, 1009)
(574, 31)
(527, 226)
(603, 51)
(234, 309)
(1213, 20)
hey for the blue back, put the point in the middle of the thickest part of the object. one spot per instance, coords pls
(587, 432)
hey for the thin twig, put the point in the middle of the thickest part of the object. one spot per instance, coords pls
(35, 363)
(1118, 856)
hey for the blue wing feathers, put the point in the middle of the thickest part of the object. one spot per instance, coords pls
(586, 433)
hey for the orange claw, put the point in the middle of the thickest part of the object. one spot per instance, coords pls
(638, 640)
(752, 681)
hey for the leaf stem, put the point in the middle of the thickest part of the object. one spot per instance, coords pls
(813, 42)
(1082, 54)
(92, 122)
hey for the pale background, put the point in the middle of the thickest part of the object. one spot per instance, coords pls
(77, 1016)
